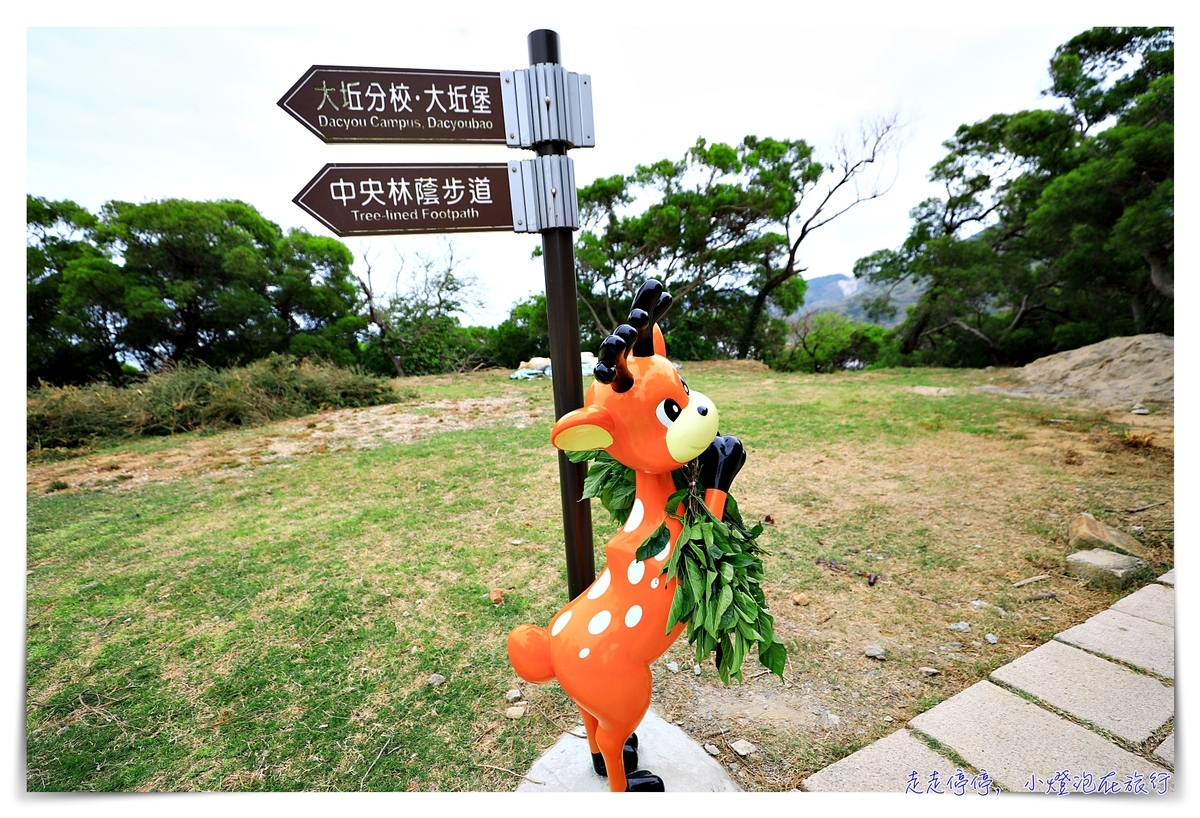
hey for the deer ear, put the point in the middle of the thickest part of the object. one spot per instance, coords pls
(588, 428)
(660, 343)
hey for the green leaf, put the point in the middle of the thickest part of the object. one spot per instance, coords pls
(748, 632)
(774, 658)
(696, 583)
(723, 603)
(656, 542)
(582, 457)
(679, 606)
(715, 563)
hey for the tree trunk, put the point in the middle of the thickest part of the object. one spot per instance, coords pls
(1135, 303)
(914, 337)
(1161, 276)
(751, 327)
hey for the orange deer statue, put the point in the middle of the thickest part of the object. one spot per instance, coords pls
(600, 646)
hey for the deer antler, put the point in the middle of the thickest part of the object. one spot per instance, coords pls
(636, 336)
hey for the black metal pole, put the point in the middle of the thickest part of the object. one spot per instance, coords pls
(558, 254)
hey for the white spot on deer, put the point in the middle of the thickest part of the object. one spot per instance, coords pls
(637, 570)
(600, 585)
(583, 654)
(560, 623)
(654, 582)
(633, 616)
(599, 623)
(635, 516)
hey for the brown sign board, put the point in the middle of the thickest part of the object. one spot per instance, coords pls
(347, 104)
(373, 200)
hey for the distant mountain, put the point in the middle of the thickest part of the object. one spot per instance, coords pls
(847, 295)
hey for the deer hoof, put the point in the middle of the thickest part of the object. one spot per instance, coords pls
(644, 781)
(629, 758)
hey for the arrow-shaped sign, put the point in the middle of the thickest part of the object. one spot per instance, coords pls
(366, 200)
(347, 104)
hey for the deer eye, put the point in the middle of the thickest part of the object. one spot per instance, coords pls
(686, 391)
(668, 411)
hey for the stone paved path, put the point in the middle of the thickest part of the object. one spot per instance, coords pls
(1091, 711)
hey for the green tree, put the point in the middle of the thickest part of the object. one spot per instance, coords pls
(722, 228)
(1057, 226)
(66, 347)
(821, 341)
(315, 299)
(179, 281)
(523, 335)
(415, 328)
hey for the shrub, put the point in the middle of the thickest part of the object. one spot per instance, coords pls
(827, 342)
(185, 398)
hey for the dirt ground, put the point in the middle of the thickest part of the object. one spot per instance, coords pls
(1000, 504)
(337, 430)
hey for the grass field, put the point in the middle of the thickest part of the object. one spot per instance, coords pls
(262, 609)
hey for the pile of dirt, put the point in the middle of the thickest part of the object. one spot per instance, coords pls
(1116, 373)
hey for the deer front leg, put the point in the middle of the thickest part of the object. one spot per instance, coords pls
(719, 464)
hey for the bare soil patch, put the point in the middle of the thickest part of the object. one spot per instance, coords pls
(993, 509)
(232, 453)
(1115, 374)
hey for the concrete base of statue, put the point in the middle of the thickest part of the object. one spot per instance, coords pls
(663, 749)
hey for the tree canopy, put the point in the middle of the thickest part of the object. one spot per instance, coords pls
(1057, 227)
(139, 286)
(722, 228)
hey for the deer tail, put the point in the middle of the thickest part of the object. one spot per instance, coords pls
(529, 652)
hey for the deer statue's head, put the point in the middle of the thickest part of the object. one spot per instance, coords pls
(638, 409)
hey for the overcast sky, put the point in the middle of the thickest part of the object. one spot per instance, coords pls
(178, 109)
(140, 114)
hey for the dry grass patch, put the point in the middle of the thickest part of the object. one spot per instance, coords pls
(344, 579)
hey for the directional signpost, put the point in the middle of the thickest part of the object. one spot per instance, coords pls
(343, 104)
(543, 108)
(363, 200)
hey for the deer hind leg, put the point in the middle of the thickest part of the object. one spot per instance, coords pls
(629, 756)
(625, 702)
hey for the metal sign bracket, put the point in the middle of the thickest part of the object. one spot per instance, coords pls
(547, 103)
(543, 193)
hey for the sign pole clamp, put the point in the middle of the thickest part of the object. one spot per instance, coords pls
(543, 193)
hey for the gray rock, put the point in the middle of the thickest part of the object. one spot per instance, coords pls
(436, 679)
(712, 749)
(515, 712)
(673, 667)
(874, 651)
(513, 695)
(929, 671)
(1088, 532)
(992, 638)
(830, 721)
(743, 747)
(696, 669)
(1107, 569)
(961, 627)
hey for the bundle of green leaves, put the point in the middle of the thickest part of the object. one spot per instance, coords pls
(717, 562)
